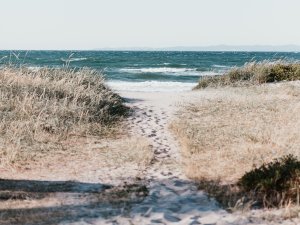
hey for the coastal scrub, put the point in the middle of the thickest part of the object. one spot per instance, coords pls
(254, 73)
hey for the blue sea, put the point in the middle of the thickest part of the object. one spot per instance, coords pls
(144, 70)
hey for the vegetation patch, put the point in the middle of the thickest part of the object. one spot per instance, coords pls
(242, 144)
(276, 183)
(254, 73)
(40, 108)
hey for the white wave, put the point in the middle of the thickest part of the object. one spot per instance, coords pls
(167, 64)
(210, 73)
(156, 70)
(221, 66)
(150, 86)
(78, 59)
(73, 59)
(170, 71)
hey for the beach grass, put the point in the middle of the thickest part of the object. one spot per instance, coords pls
(230, 131)
(41, 108)
(254, 73)
(65, 128)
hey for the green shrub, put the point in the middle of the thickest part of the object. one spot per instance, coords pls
(254, 73)
(274, 184)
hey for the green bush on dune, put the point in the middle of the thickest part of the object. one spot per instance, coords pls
(254, 73)
(274, 184)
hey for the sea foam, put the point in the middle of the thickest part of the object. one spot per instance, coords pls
(73, 59)
(170, 71)
(150, 86)
(157, 70)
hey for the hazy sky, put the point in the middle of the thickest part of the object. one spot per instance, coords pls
(90, 24)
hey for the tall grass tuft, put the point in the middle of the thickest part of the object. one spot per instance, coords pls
(254, 73)
(39, 108)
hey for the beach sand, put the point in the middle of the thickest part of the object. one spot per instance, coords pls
(159, 192)
(172, 197)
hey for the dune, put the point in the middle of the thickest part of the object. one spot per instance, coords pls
(147, 167)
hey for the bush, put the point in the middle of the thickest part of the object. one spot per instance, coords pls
(254, 73)
(274, 184)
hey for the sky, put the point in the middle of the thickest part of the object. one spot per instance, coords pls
(94, 24)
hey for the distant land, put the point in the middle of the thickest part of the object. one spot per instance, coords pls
(247, 48)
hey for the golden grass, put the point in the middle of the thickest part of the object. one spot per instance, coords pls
(228, 131)
(62, 125)
(39, 109)
(254, 73)
(231, 130)
(112, 157)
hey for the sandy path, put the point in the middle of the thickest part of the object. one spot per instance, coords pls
(82, 190)
(172, 197)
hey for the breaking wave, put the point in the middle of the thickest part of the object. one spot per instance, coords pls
(150, 86)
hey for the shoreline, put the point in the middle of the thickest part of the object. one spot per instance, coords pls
(151, 86)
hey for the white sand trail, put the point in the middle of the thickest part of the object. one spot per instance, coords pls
(172, 198)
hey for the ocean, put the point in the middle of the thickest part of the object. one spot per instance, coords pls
(144, 70)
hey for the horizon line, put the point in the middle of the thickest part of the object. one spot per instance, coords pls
(209, 48)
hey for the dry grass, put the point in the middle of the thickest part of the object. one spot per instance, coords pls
(87, 159)
(254, 73)
(62, 125)
(39, 109)
(229, 131)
